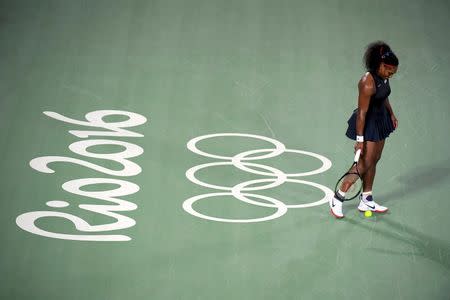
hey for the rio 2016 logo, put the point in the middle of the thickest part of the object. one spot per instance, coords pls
(111, 205)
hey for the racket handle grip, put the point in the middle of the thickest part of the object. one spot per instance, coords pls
(357, 155)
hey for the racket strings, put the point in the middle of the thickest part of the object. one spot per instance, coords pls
(348, 182)
(351, 185)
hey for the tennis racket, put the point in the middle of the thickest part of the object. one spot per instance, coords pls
(350, 182)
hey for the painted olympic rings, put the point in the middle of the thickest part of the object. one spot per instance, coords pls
(242, 190)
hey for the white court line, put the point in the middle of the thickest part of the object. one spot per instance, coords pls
(268, 126)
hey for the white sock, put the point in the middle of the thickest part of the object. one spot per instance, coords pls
(341, 193)
(366, 195)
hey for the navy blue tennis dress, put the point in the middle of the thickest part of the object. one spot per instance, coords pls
(378, 123)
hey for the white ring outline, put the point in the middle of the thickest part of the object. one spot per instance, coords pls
(279, 180)
(187, 206)
(236, 191)
(192, 145)
(326, 163)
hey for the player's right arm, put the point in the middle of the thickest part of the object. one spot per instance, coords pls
(366, 88)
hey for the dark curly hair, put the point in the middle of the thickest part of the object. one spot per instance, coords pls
(376, 53)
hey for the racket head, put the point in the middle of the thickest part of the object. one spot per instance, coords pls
(352, 183)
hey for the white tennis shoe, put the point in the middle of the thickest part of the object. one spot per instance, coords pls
(336, 208)
(365, 205)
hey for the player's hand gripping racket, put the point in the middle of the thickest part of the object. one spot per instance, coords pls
(350, 183)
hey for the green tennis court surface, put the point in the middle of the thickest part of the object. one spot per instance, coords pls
(187, 149)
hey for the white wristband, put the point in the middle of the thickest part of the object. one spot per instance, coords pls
(360, 138)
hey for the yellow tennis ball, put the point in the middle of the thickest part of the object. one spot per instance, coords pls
(368, 213)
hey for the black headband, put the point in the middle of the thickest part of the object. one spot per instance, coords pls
(387, 54)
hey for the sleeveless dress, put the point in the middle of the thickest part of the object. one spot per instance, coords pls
(378, 124)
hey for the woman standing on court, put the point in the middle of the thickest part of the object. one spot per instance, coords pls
(371, 123)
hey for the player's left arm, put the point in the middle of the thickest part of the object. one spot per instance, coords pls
(391, 112)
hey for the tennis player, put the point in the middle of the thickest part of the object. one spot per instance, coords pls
(371, 123)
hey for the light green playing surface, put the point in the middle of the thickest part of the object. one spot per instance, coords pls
(283, 70)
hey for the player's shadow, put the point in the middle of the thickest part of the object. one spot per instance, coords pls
(432, 248)
(423, 177)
